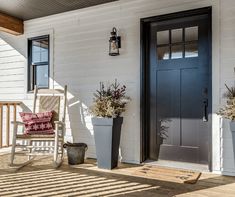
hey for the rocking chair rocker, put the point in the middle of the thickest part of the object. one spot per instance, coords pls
(49, 100)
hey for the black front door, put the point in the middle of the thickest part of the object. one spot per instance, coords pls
(179, 89)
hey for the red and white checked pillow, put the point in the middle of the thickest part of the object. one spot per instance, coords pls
(38, 123)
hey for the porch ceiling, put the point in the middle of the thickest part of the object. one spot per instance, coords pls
(30, 9)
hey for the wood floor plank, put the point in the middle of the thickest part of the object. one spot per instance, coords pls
(40, 179)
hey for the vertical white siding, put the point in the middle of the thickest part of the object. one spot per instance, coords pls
(80, 59)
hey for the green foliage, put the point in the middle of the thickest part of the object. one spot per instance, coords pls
(228, 111)
(109, 101)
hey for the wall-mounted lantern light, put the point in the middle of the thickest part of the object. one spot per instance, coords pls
(114, 43)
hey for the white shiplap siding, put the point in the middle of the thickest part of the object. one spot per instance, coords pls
(12, 65)
(80, 60)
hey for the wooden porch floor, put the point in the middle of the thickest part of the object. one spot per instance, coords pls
(40, 179)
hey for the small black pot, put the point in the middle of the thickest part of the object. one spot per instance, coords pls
(107, 132)
(75, 152)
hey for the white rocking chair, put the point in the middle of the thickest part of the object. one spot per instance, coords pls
(48, 99)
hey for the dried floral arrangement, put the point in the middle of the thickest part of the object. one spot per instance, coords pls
(109, 101)
(229, 110)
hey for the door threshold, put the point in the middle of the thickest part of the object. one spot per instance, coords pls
(179, 165)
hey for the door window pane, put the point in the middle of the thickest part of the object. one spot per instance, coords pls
(191, 50)
(163, 37)
(176, 35)
(42, 76)
(191, 33)
(183, 43)
(177, 51)
(163, 53)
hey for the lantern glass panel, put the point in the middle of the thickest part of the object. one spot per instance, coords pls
(114, 49)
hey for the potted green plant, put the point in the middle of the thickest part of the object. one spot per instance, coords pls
(109, 104)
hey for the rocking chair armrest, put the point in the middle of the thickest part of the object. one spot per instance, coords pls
(59, 123)
(17, 123)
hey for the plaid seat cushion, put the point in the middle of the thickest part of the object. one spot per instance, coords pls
(39, 123)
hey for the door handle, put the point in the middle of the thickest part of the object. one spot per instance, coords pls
(205, 112)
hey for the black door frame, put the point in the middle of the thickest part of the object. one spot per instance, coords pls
(144, 70)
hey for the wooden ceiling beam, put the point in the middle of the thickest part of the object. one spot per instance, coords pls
(11, 24)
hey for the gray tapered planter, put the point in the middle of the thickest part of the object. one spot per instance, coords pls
(229, 132)
(107, 132)
(232, 126)
(232, 129)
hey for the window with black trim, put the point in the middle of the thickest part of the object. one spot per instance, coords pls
(38, 62)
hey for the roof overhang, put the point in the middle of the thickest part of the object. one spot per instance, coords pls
(14, 12)
(11, 24)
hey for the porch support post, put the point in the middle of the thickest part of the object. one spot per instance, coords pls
(11, 24)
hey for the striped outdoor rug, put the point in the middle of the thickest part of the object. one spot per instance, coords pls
(168, 174)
